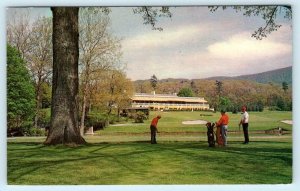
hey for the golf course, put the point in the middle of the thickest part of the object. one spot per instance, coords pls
(121, 154)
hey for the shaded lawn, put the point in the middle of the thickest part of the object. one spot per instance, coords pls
(260, 162)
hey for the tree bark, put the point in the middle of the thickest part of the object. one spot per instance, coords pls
(64, 126)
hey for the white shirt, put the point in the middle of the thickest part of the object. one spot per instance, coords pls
(245, 117)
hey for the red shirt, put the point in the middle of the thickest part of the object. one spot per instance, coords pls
(154, 121)
(224, 120)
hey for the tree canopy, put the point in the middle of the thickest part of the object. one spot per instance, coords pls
(186, 92)
(151, 15)
(153, 81)
(267, 13)
(20, 91)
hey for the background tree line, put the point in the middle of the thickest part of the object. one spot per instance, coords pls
(226, 94)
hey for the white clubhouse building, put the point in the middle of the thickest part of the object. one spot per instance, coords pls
(168, 102)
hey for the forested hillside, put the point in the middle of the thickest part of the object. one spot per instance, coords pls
(275, 76)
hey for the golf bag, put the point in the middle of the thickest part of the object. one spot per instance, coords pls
(210, 134)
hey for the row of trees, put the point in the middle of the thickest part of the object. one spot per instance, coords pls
(102, 83)
(254, 96)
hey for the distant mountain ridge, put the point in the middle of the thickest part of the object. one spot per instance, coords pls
(275, 76)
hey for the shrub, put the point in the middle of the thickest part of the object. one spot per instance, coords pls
(97, 120)
(35, 132)
(43, 118)
(26, 129)
(139, 117)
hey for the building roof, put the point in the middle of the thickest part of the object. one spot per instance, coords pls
(136, 108)
(167, 98)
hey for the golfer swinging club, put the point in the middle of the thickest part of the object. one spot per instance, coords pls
(153, 128)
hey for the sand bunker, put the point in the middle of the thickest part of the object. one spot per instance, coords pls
(194, 122)
(290, 122)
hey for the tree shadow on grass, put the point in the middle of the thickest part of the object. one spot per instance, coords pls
(28, 161)
(57, 156)
(249, 150)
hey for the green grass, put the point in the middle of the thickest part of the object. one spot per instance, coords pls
(122, 155)
(172, 122)
(261, 162)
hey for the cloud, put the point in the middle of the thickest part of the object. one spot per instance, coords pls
(198, 49)
(240, 46)
(236, 55)
(169, 37)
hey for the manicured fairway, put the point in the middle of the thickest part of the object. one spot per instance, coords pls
(172, 122)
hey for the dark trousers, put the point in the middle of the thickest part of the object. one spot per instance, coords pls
(153, 134)
(246, 134)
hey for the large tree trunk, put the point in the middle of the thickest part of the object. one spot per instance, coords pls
(64, 127)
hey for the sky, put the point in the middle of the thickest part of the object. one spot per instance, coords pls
(195, 43)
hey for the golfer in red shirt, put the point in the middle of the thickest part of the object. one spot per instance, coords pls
(223, 123)
(153, 128)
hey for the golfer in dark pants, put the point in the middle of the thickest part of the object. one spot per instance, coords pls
(244, 122)
(154, 130)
